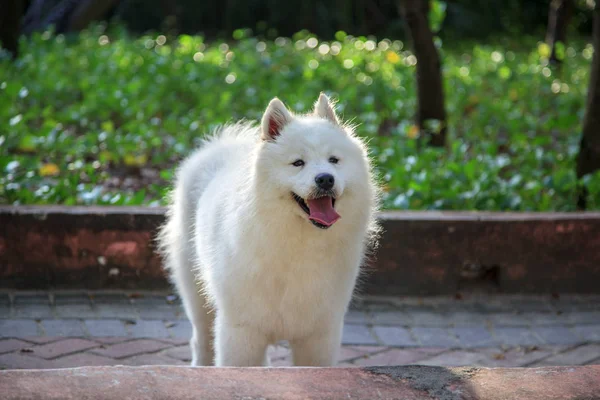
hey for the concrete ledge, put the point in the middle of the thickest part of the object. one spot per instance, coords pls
(421, 252)
(409, 382)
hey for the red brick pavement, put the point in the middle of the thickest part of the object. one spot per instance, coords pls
(72, 352)
(149, 328)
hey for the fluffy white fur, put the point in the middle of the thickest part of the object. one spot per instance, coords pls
(249, 266)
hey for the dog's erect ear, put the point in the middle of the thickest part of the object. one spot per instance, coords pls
(324, 108)
(275, 118)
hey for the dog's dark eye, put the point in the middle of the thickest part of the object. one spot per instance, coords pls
(334, 160)
(298, 163)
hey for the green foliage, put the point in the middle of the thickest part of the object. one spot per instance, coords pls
(437, 14)
(102, 118)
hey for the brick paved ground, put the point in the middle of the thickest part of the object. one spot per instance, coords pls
(67, 329)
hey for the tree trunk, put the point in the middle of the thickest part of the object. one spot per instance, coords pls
(89, 11)
(33, 16)
(588, 159)
(57, 16)
(10, 25)
(431, 114)
(558, 21)
(171, 12)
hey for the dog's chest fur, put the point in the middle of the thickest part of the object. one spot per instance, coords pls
(287, 281)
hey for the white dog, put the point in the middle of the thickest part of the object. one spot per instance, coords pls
(266, 233)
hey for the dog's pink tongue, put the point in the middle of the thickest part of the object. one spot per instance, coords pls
(322, 211)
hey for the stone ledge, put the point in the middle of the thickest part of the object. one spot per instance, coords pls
(406, 382)
(421, 253)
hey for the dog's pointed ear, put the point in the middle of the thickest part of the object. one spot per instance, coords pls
(324, 108)
(274, 119)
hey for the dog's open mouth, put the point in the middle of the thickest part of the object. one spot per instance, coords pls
(320, 210)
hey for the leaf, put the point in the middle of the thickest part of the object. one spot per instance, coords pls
(15, 120)
(437, 14)
(413, 132)
(504, 72)
(28, 144)
(138, 198)
(132, 160)
(559, 48)
(105, 156)
(544, 50)
(108, 126)
(49, 169)
(392, 57)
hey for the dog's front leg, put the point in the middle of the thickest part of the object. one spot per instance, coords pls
(239, 345)
(321, 349)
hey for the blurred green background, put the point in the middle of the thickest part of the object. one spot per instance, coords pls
(103, 115)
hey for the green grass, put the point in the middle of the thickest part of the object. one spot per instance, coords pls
(103, 118)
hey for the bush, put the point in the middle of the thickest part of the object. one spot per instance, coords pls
(102, 118)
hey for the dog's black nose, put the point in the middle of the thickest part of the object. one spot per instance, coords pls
(325, 181)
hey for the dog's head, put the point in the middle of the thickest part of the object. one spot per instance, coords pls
(314, 164)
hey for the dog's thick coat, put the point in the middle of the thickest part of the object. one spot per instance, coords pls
(252, 241)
